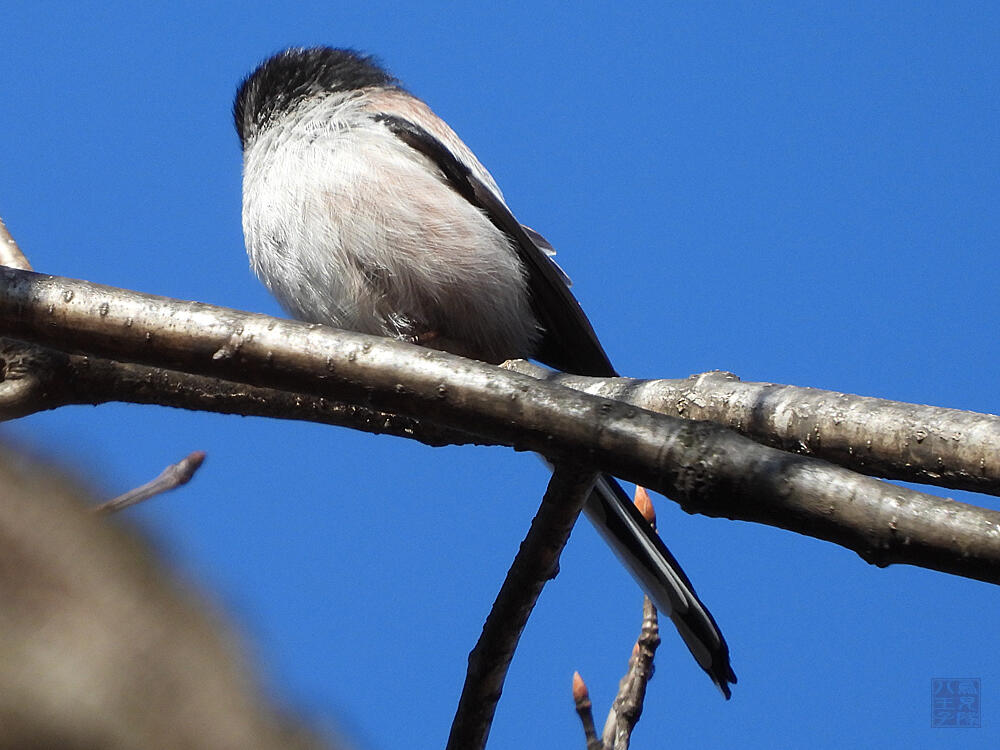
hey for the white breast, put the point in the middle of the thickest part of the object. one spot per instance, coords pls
(349, 226)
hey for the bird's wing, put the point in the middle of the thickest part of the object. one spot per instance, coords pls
(570, 344)
(568, 341)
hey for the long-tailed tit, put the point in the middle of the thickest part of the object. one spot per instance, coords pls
(363, 210)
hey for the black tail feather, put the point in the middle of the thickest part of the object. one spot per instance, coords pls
(657, 571)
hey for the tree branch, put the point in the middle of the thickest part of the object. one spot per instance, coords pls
(10, 253)
(627, 706)
(873, 436)
(34, 378)
(584, 709)
(537, 561)
(170, 478)
(906, 442)
(103, 647)
(704, 467)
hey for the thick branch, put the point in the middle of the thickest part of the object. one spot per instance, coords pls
(537, 561)
(907, 442)
(704, 467)
(891, 439)
(34, 378)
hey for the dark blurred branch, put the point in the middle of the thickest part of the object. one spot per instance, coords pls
(102, 647)
(704, 467)
(537, 561)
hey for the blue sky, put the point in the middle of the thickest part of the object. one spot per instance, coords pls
(798, 193)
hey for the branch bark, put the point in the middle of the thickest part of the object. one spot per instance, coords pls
(34, 378)
(704, 467)
(537, 561)
(877, 437)
(873, 436)
(627, 706)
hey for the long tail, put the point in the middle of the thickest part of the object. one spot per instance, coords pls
(649, 561)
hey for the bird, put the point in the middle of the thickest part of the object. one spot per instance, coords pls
(365, 211)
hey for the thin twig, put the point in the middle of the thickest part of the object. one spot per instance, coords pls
(10, 254)
(537, 561)
(170, 478)
(627, 705)
(584, 709)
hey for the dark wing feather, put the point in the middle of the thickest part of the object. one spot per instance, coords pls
(568, 340)
(570, 344)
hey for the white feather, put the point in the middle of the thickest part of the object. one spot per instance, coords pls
(348, 225)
